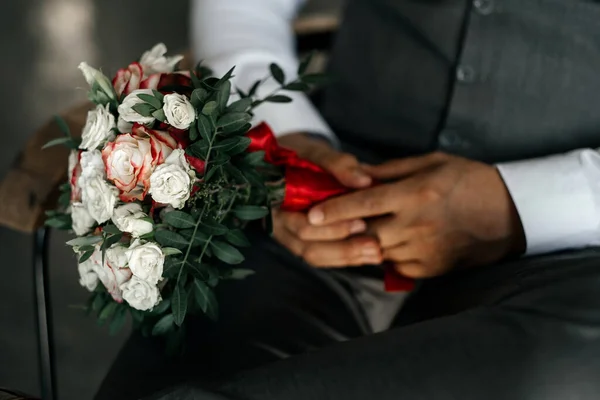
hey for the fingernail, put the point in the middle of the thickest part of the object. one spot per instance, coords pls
(358, 226)
(316, 216)
(370, 251)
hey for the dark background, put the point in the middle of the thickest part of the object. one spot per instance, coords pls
(42, 42)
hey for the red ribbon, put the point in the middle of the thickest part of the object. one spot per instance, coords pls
(307, 184)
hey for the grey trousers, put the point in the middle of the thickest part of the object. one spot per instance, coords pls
(527, 329)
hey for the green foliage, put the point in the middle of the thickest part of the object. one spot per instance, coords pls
(206, 299)
(226, 252)
(277, 73)
(237, 238)
(179, 219)
(179, 305)
(170, 239)
(250, 213)
(164, 325)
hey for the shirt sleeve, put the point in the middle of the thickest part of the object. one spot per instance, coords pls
(558, 199)
(252, 34)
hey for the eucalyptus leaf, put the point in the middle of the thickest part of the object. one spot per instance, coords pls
(226, 252)
(250, 213)
(233, 121)
(277, 73)
(278, 98)
(62, 125)
(170, 239)
(205, 127)
(197, 239)
(172, 267)
(226, 144)
(242, 130)
(179, 219)
(67, 141)
(223, 95)
(210, 108)
(199, 96)
(241, 105)
(179, 305)
(213, 228)
(153, 101)
(237, 238)
(206, 299)
(171, 251)
(193, 132)
(85, 241)
(239, 147)
(164, 325)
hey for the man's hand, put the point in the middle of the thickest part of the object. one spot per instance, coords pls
(329, 245)
(440, 211)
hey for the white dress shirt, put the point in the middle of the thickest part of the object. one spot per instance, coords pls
(557, 197)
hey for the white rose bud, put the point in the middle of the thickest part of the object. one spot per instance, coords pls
(99, 198)
(171, 183)
(180, 113)
(92, 166)
(102, 88)
(146, 261)
(140, 294)
(128, 114)
(88, 278)
(82, 220)
(128, 218)
(98, 128)
(155, 62)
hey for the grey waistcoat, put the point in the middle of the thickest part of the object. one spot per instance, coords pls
(495, 80)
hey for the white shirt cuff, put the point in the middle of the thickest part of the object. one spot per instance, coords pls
(557, 200)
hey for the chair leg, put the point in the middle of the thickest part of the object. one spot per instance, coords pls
(44, 313)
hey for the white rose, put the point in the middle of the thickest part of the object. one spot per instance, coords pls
(99, 198)
(140, 294)
(155, 62)
(102, 89)
(171, 183)
(98, 128)
(82, 220)
(92, 166)
(180, 113)
(128, 114)
(128, 218)
(124, 126)
(88, 278)
(114, 272)
(146, 261)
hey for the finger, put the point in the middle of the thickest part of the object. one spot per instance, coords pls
(297, 223)
(372, 202)
(344, 253)
(403, 167)
(415, 260)
(285, 237)
(392, 231)
(344, 167)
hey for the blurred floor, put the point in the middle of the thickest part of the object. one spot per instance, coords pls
(42, 42)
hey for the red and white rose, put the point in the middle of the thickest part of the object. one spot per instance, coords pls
(128, 79)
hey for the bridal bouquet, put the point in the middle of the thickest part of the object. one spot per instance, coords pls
(167, 173)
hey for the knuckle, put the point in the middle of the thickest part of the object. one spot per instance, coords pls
(305, 233)
(428, 195)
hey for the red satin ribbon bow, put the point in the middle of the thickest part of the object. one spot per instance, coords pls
(307, 184)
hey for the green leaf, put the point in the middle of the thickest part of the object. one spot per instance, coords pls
(98, 303)
(254, 88)
(206, 299)
(241, 105)
(85, 241)
(170, 239)
(315, 79)
(195, 80)
(239, 147)
(164, 325)
(223, 95)
(107, 312)
(242, 131)
(219, 160)
(250, 213)
(85, 256)
(110, 240)
(213, 228)
(163, 306)
(210, 108)
(199, 149)
(306, 63)
(64, 200)
(240, 273)
(179, 219)
(159, 115)
(67, 141)
(255, 158)
(112, 229)
(62, 125)
(241, 93)
(255, 179)
(277, 73)
(278, 98)
(86, 248)
(199, 96)
(158, 95)
(226, 77)
(226, 252)
(297, 87)
(144, 109)
(153, 101)
(171, 251)
(197, 240)
(235, 173)
(205, 127)
(233, 121)
(226, 144)
(199, 270)
(179, 305)
(211, 172)
(237, 238)
(171, 268)
(118, 320)
(193, 132)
